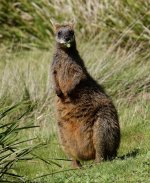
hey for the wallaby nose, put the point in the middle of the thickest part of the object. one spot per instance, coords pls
(67, 39)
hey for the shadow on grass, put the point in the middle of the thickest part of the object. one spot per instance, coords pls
(131, 154)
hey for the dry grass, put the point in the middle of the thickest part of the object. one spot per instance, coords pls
(28, 22)
(112, 38)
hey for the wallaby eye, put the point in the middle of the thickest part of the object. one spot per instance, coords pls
(59, 33)
(71, 33)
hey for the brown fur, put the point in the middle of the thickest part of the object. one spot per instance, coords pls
(87, 119)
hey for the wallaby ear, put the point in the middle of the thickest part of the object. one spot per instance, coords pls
(54, 25)
(72, 23)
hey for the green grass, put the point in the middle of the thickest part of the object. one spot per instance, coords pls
(25, 79)
(113, 40)
(132, 164)
(28, 21)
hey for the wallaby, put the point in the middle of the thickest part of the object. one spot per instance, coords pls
(88, 122)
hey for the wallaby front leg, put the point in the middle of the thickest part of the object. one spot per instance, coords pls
(56, 85)
(75, 75)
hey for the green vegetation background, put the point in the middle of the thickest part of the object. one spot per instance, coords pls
(113, 37)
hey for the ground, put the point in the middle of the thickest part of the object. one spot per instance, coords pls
(25, 80)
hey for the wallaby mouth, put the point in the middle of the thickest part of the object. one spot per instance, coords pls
(66, 43)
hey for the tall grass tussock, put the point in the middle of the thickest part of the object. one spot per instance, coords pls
(28, 21)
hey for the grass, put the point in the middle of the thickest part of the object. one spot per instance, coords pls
(12, 150)
(124, 73)
(114, 42)
(28, 22)
(131, 166)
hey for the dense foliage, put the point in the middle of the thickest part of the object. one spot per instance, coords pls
(28, 21)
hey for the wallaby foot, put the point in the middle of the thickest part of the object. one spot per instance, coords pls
(76, 164)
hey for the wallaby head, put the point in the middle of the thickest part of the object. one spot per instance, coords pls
(64, 35)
